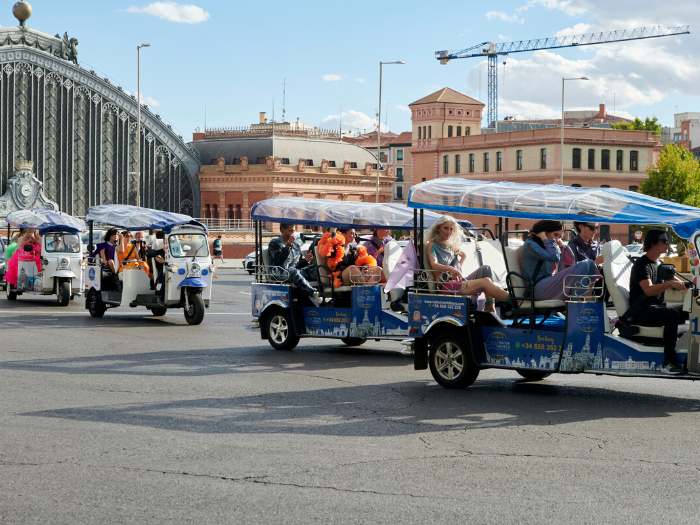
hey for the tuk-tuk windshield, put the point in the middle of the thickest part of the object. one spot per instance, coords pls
(62, 243)
(188, 245)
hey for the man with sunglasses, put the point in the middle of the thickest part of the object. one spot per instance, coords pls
(584, 246)
(647, 289)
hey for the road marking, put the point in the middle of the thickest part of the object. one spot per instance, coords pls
(245, 293)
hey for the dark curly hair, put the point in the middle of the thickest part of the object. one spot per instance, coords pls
(547, 226)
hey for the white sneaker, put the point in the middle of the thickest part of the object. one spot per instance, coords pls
(316, 299)
(671, 369)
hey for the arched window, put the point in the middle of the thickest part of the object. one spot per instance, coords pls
(467, 130)
(576, 159)
(543, 158)
(419, 132)
(430, 132)
(424, 132)
(471, 163)
(446, 164)
(459, 131)
(499, 161)
(605, 159)
(519, 161)
(591, 159)
(633, 160)
(457, 164)
(449, 131)
(486, 162)
(618, 164)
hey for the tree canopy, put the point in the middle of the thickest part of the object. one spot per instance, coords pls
(675, 176)
(649, 124)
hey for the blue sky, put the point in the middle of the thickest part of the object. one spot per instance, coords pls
(233, 56)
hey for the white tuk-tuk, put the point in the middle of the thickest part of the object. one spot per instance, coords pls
(55, 269)
(188, 266)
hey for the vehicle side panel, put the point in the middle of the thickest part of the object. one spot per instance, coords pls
(263, 295)
(425, 309)
(326, 322)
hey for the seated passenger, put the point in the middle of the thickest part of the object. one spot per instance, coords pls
(133, 252)
(541, 252)
(375, 246)
(285, 253)
(106, 250)
(443, 246)
(357, 267)
(647, 297)
(584, 246)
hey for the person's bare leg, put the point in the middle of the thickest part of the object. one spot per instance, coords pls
(485, 286)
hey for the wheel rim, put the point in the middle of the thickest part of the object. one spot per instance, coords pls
(93, 302)
(60, 292)
(279, 329)
(449, 360)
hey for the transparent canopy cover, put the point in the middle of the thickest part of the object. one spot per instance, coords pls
(538, 201)
(340, 214)
(137, 218)
(45, 220)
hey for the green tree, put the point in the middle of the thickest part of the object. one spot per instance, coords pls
(675, 176)
(649, 124)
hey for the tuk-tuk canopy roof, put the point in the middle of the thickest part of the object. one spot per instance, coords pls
(137, 218)
(340, 214)
(539, 201)
(45, 221)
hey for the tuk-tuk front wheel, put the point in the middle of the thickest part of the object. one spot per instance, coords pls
(194, 314)
(10, 293)
(450, 361)
(159, 312)
(95, 305)
(534, 375)
(63, 292)
(280, 330)
(353, 341)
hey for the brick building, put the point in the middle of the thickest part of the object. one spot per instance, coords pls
(448, 142)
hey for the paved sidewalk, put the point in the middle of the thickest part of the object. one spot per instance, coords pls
(230, 263)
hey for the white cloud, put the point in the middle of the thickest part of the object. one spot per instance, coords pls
(352, 121)
(173, 12)
(332, 78)
(635, 75)
(149, 101)
(503, 37)
(362, 80)
(500, 15)
(578, 29)
(569, 7)
(403, 108)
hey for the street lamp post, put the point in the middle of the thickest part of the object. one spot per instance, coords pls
(379, 122)
(138, 123)
(561, 181)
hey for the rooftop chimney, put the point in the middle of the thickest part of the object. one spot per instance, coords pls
(602, 112)
(263, 117)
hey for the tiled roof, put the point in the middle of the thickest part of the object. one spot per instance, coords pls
(405, 137)
(447, 95)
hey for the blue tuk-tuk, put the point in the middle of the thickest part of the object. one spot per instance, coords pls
(536, 337)
(188, 269)
(351, 314)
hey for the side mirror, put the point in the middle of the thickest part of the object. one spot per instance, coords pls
(666, 271)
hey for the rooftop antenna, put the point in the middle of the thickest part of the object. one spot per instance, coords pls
(205, 117)
(340, 122)
(284, 98)
(273, 110)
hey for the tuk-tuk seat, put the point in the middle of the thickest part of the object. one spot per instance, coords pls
(514, 264)
(323, 275)
(617, 269)
(490, 252)
(392, 254)
(471, 261)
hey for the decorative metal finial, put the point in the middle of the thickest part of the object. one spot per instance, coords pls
(22, 11)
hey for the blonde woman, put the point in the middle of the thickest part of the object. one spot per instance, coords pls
(443, 246)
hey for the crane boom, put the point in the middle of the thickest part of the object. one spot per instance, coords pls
(492, 50)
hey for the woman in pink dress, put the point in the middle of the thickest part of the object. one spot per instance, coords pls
(33, 238)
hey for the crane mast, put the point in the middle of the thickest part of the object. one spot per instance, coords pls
(493, 50)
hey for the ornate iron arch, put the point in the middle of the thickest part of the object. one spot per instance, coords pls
(80, 132)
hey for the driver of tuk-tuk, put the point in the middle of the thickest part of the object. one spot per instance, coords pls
(159, 259)
(285, 253)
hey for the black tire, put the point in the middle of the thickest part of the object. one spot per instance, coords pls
(280, 330)
(63, 293)
(95, 305)
(251, 272)
(451, 362)
(354, 341)
(72, 296)
(10, 293)
(534, 375)
(195, 313)
(159, 312)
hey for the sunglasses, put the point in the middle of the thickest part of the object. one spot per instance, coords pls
(665, 241)
(593, 228)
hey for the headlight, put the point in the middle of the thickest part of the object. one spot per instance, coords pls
(212, 267)
(174, 268)
(63, 262)
(83, 262)
(195, 270)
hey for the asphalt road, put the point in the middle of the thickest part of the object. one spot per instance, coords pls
(138, 419)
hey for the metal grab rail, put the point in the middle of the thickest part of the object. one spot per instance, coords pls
(425, 281)
(228, 224)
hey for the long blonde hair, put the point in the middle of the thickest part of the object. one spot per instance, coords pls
(455, 240)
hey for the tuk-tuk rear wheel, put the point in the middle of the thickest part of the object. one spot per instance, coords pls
(10, 293)
(95, 305)
(451, 363)
(354, 341)
(534, 375)
(280, 330)
(159, 312)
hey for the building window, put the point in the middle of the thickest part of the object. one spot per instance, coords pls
(309, 162)
(685, 135)
(423, 179)
(353, 165)
(430, 132)
(419, 132)
(676, 137)
(382, 157)
(457, 164)
(424, 134)
(213, 162)
(374, 166)
(449, 131)
(459, 131)
(446, 164)
(604, 185)
(618, 164)
(591, 159)
(467, 130)
(260, 160)
(399, 192)
(499, 161)
(634, 188)
(399, 155)
(576, 159)
(486, 162)
(331, 164)
(633, 160)
(543, 158)
(471, 163)
(604, 232)
(285, 161)
(519, 160)
(207, 211)
(399, 174)
(575, 185)
(237, 162)
(605, 159)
